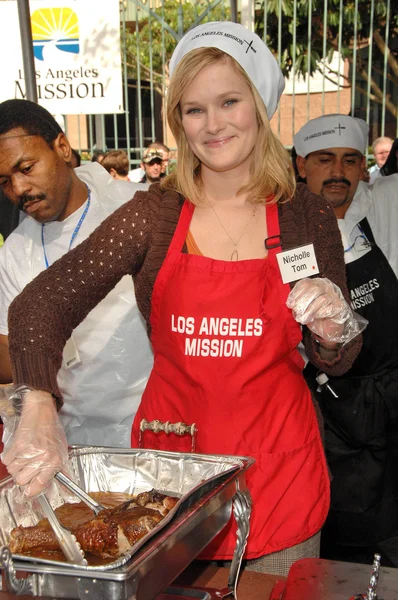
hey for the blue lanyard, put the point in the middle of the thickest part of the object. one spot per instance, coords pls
(74, 234)
(367, 243)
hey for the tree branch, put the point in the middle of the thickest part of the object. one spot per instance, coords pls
(391, 60)
(333, 72)
(342, 87)
(383, 48)
(357, 87)
(379, 93)
(146, 69)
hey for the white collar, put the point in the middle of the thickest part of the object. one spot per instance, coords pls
(359, 207)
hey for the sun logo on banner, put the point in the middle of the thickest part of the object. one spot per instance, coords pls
(56, 26)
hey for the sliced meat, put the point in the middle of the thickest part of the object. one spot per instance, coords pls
(110, 534)
(26, 539)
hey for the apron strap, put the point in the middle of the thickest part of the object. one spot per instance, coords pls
(274, 240)
(367, 231)
(182, 228)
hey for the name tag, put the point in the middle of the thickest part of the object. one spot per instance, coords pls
(71, 354)
(297, 263)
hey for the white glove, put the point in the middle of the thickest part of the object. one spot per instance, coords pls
(35, 445)
(319, 304)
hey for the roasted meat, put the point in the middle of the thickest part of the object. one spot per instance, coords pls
(110, 534)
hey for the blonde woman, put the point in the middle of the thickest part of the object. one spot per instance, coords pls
(202, 248)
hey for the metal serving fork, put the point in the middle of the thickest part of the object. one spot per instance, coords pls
(67, 541)
(96, 507)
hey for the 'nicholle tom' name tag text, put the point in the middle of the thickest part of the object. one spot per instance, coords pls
(297, 263)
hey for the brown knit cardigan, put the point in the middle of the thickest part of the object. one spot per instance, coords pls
(134, 240)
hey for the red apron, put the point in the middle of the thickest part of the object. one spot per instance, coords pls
(225, 348)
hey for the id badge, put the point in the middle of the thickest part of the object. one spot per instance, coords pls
(71, 354)
(297, 263)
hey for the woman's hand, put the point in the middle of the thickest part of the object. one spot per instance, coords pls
(35, 445)
(319, 304)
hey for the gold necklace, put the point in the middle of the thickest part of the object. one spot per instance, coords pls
(235, 253)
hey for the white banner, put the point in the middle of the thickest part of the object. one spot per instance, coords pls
(77, 55)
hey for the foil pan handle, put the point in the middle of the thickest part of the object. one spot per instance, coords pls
(242, 508)
(16, 585)
(166, 427)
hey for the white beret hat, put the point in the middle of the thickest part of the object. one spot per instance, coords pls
(331, 131)
(246, 48)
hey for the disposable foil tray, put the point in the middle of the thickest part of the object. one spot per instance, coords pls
(208, 487)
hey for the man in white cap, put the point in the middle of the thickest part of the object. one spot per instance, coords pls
(360, 408)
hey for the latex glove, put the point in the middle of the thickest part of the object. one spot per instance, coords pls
(319, 304)
(35, 445)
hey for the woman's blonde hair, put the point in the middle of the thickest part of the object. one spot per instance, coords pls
(271, 170)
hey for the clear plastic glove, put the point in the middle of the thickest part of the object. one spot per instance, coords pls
(319, 304)
(35, 445)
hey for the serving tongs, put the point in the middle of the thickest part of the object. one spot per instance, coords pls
(96, 507)
(66, 540)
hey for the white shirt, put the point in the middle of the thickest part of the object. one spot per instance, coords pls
(136, 175)
(374, 173)
(379, 204)
(102, 393)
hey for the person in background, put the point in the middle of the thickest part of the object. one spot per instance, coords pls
(391, 165)
(107, 359)
(76, 159)
(204, 248)
(152, 161)
(117, 164)
(137, 174)
(360, 408)
(381, 148)
(98, 155)
(9, 217)
(165, 152)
